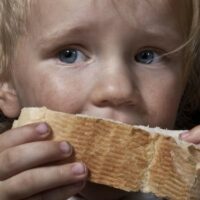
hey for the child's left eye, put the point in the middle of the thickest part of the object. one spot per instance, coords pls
(71, 56)
(147, 57)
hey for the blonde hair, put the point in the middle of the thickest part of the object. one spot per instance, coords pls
(13, 24)
(190, 104)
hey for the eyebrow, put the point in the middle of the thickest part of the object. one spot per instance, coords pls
(164, 32)
(57, 36)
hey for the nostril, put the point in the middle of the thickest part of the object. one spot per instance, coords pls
(115, 91)
(104, 102)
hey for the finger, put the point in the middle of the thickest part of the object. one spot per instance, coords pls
(192, 136)
(61, 193)
(25, 134)
(38, 180)
(30, 155)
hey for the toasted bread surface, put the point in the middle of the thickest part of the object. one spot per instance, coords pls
(126, 157)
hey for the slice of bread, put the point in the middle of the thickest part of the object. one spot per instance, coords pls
(131, 158)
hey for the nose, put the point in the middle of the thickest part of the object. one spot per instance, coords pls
(115, 86)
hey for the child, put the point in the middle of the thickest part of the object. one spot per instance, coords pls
(125, 60)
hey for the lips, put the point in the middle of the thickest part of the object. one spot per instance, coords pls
(124, 116)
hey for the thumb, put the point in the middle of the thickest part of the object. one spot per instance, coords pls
(192, 136)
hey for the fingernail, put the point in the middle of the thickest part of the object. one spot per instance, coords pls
(42, 129)
(78, 169)
(65, 147)
(185, 135)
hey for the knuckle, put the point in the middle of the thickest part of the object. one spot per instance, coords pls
(31, 178)
(10, 158)
(60, 172)
(8, 163)
(27, 179)
(14, 189)
(64, 173)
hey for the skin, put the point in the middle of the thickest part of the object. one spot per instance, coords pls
(106, 80)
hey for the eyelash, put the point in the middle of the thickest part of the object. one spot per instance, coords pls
(65, 54)
(81, 56)
(144, 53)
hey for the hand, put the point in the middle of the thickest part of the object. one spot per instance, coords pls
(192, 136)
(24, 173)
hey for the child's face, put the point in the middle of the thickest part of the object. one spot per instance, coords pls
(101, 58)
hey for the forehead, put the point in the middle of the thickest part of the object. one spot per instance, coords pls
(68, 12)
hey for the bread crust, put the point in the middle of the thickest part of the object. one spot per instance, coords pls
(124, 156)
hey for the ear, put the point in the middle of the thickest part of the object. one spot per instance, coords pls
(9, 103)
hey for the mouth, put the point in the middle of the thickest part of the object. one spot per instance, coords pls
(124, 114)
(130, 118)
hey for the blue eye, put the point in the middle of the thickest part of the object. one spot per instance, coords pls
(70, 56)
(147, 57)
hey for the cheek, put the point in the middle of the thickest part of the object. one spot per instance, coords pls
(162, 98)
(55, 89)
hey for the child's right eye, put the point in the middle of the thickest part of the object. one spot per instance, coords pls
(71, 56)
